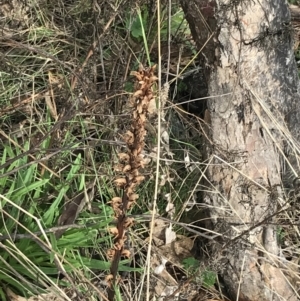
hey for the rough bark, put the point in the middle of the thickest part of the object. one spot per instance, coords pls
(251, 58)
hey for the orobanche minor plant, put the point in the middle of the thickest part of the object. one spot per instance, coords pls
(130, 177)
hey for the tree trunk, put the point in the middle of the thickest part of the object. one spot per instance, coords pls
(252, 75)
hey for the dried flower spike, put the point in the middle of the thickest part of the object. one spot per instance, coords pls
(130, 163)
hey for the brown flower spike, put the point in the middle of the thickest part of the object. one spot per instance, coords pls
(129, 167)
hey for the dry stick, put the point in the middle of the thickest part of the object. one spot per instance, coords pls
(169, 38)
(158, 153)
(240, 281)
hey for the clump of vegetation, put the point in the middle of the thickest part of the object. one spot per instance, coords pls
(64, 93)
(67, 122)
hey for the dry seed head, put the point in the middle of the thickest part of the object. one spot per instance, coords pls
(118, 167)
(139, 179)
(135, 115)
(130, 189)
(143, 117)
(117, 209)
(150, 96)
(139, 108)
(119, 244)
(153, 78)
(129, 137)
(138, 93)
(144, 162)
(128, 222)
(144, 85)
(137, 75)
(108, 279)
(127, 168)
(120, 182)
(114, 231)
(137, 151)
(118, 212)
(135, 172)
(130, 204)
(146, 99)
(116, 200)
(124, 157)
(132, 102)
(152, 106)
(110, 254)
(133, 197)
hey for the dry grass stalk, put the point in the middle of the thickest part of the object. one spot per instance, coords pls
(130, 164)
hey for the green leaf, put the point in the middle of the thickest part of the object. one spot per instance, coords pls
(75, 168)
(25, 190)
(48, 217)
(190, 263)
(2, 295)
(209, 278)
(14, 282)
(54, 246)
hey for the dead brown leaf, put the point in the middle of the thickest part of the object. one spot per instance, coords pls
(74, 207)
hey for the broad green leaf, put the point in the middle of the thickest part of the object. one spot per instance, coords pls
(48, 217)
(2, 295)
(24, 190)
(75, 168)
